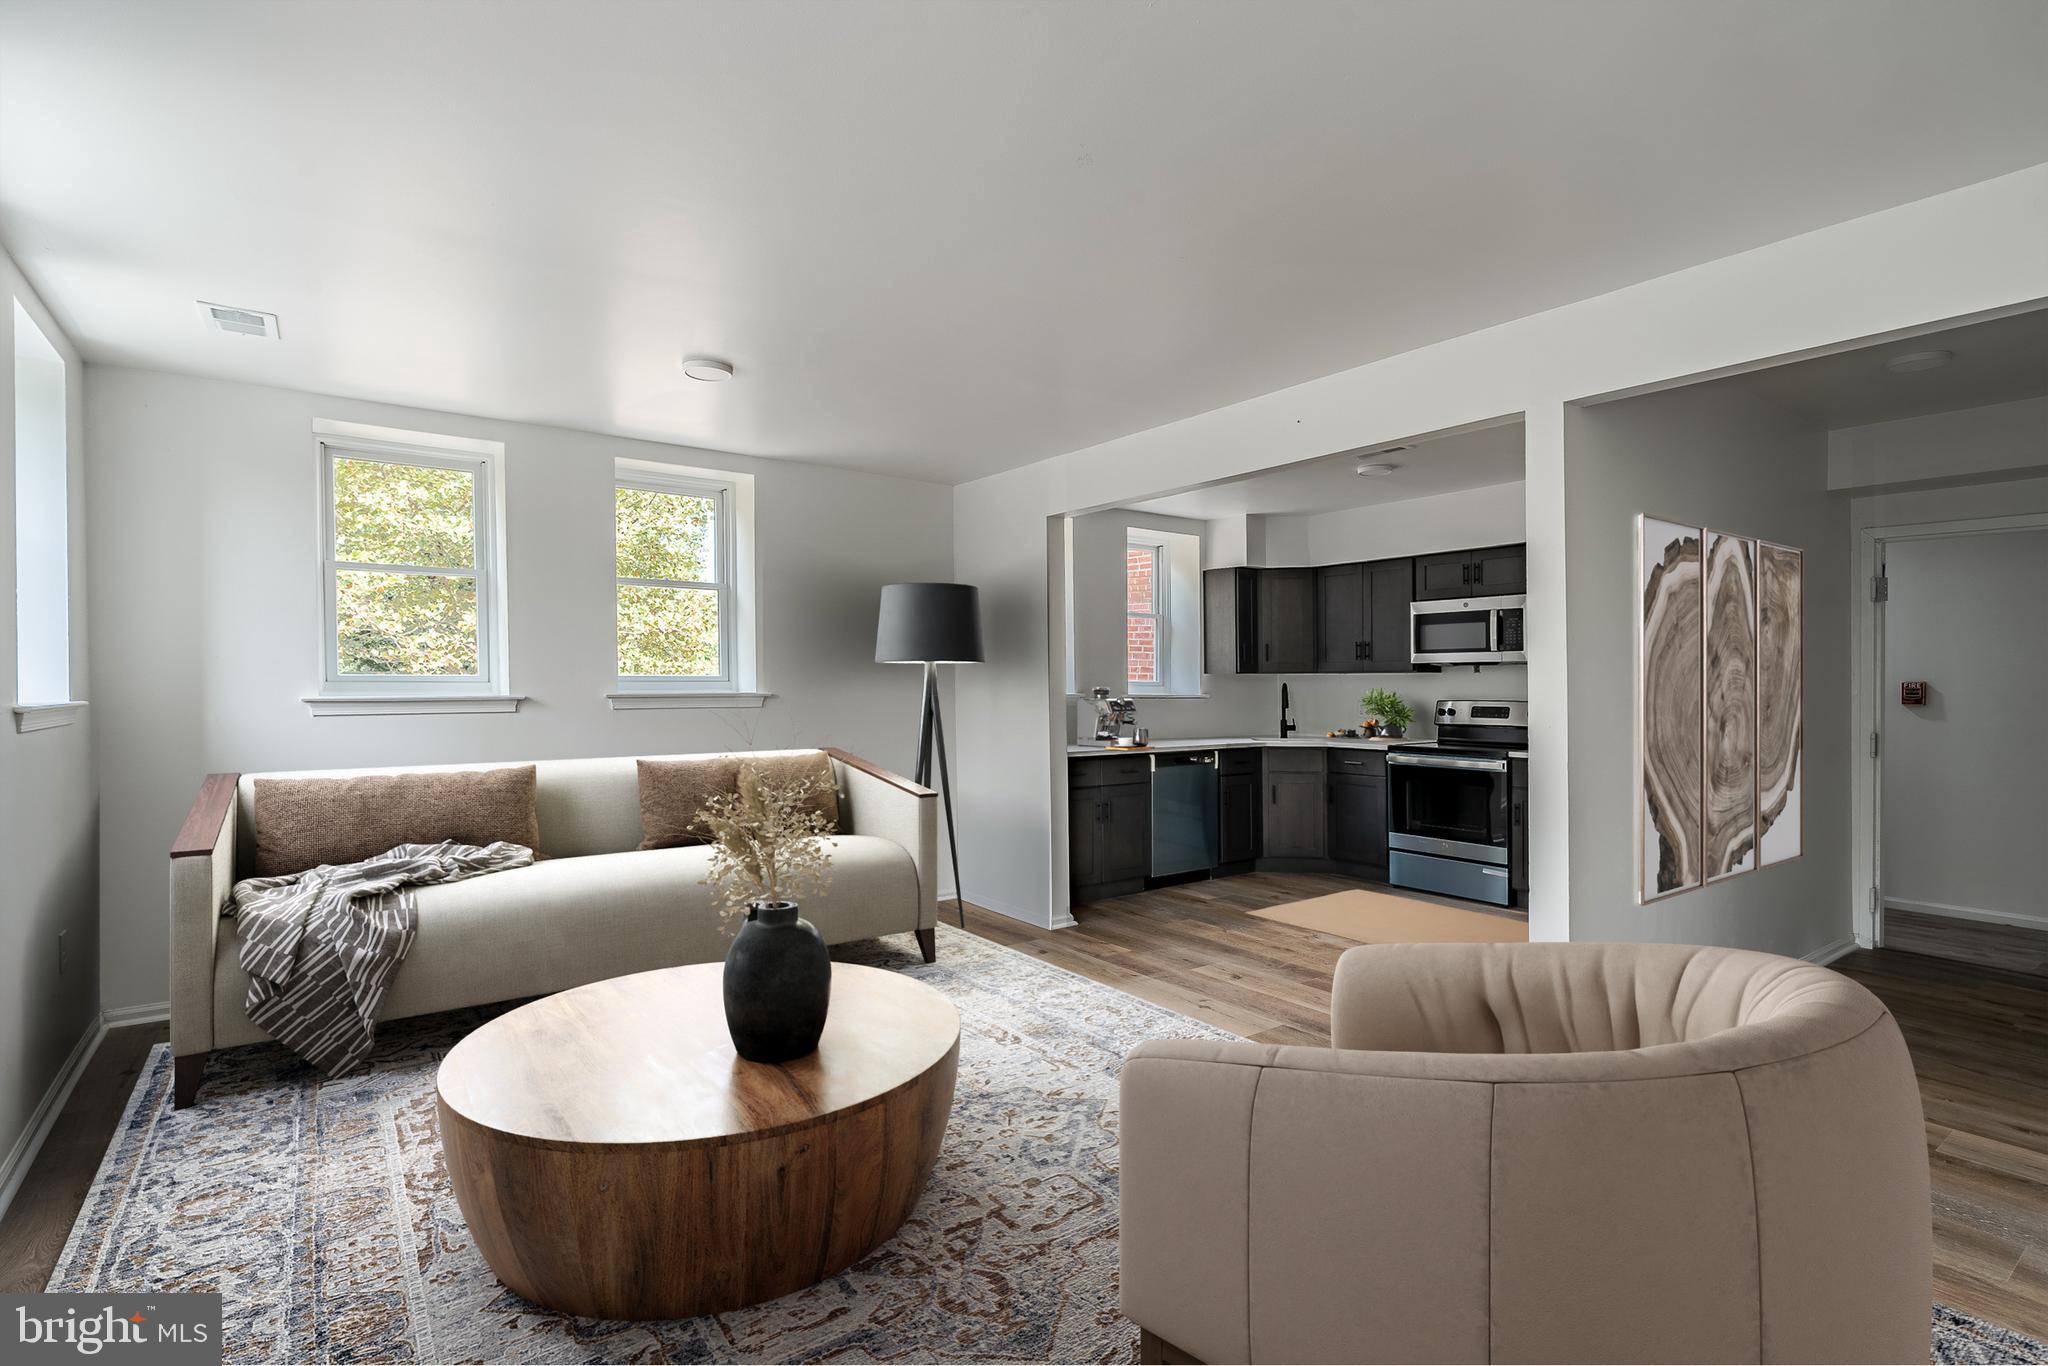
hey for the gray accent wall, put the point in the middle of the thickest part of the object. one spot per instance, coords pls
(1717, 456)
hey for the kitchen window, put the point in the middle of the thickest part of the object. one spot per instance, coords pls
(682, 566)
(411, 581)
(1146, 623)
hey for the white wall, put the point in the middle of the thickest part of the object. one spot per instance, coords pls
(1096, 567)
(1718, 456)
(1884, 275)
(1965, 801)
(205, 599)
(1996, 441)
(48, 822)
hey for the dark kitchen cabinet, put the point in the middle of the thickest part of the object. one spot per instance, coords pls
(1109, 824)
(1343, 618)
(1259, 621)
(1362, 617)
(1237, 826)
(1391, 589)
(1489, 573)
(1500, 570)
(1287, 621)
(1447, 575)
(1358, 820)
(1295, 818)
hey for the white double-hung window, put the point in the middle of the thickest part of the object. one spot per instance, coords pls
(1146, 623)
(411, 579)
(682, 549)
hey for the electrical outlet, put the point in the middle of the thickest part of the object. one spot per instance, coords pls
(60, 952)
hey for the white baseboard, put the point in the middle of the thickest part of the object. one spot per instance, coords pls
(1828, 953)
(2020, 918)
(38, 1127)
(135, 1015)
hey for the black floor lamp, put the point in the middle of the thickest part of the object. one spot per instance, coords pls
(932, 624)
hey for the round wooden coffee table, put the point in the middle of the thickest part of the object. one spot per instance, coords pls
(616, 1159)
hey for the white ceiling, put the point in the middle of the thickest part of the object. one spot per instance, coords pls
(1995, 362)
(939, 239)
(1445, 465)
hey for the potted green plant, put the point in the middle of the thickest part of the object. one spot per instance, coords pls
(1386, 710)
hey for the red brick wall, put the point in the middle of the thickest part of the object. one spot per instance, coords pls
(1141, 645)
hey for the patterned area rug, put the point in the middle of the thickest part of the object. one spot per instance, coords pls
(323, 1214)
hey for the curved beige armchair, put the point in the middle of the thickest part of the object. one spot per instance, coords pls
(1540, 1152)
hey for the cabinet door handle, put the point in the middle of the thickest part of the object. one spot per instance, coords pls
(1466, 576)
(1276, 794)
(1479, 572)
(1365, 649)
(1269, 649)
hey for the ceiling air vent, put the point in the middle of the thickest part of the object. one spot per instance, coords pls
(243, 322)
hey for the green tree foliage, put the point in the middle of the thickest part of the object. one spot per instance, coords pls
(666, 632)
(407, 624)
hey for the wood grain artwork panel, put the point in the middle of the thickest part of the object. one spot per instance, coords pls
(1730, 810)
(1669, 660)
(1781, 724)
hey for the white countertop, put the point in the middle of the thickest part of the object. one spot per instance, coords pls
(1094, 747)
(1241, 742)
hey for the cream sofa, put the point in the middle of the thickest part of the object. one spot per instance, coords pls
(595, 906)
(1538, 1152)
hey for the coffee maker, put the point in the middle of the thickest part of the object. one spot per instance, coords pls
(1116, 720)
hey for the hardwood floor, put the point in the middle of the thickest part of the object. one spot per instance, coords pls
(1970, 941)
(47, 1204)
(1979, 1037)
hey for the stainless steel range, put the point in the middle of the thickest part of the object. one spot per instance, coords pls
(1448, 802)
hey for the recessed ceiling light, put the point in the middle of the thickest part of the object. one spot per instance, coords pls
(1374, 468)
(240, 322)
(1906, 362)
(708, 370)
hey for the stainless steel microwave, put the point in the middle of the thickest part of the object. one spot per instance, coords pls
(1467, 631)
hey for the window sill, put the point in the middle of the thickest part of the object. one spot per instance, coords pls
(415, 704)
(1168, 696)
(668, 701)
(46, 715)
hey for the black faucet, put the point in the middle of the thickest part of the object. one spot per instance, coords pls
(1287, 725)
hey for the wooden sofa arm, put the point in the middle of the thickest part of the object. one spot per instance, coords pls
(893, 807)
(202, 873)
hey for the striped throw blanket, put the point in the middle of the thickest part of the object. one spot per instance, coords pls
(320, 947)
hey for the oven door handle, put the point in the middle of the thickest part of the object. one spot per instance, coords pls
(1447, 761)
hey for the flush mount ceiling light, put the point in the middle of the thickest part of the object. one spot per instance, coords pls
(1906, 362)
(240, 322)
(707, 370)
(1372, 469)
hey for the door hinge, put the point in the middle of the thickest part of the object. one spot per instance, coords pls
(1873, 744)
(1880, 588)
(1873, 907)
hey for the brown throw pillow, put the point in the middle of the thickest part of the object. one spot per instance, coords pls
(782, 769)
(302, 823)
(673, 791)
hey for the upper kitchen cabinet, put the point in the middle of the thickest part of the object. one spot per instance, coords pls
(1362, 617)
(1493, 572)
(1260, 620)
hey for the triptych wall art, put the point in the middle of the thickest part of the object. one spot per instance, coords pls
(1719, 735)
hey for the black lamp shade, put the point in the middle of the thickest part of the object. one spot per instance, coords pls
(923, 622)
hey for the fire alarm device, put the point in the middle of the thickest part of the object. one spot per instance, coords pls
(1913, 694)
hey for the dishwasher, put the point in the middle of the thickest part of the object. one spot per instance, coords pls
(1183, 813)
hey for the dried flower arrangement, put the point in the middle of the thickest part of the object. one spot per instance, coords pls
(768, 842)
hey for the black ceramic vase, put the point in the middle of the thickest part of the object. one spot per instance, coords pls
(778, 983)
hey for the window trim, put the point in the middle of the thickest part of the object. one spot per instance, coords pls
(486, 690)
(724, 493)
(734, 564)
(39, 708)
(1161, 623)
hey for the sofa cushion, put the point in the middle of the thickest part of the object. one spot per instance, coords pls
(796, 766)
(673, 791)
(302, 823)
(554, 925)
